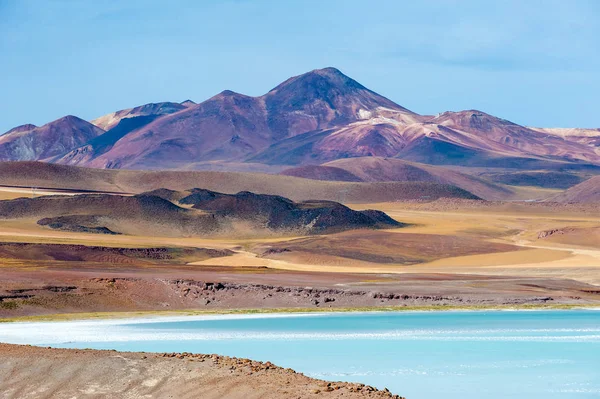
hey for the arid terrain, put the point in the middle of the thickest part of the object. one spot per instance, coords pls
(92, 374)
(81, 243)
(320, 195)
(446, 252)
(201, 177)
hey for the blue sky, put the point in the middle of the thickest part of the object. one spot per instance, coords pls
(533, 62)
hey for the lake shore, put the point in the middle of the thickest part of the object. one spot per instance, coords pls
(411, 353)
(75, 293)
(71, 372)
(281, 311)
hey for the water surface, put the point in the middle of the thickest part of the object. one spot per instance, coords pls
(421, 355)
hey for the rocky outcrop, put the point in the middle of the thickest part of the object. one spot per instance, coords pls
(552, 232)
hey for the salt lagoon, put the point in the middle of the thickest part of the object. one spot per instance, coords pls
(420, 355)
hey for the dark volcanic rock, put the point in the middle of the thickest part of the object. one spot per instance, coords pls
(221, 213)
(80, 224)
(279, 213)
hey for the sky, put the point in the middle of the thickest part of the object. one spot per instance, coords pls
(535, 63)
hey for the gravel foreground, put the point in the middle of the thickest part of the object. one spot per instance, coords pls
(33, 372)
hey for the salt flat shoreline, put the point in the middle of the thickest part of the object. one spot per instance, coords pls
(175, 315)
(108, 373)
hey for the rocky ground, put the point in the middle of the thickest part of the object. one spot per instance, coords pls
(49, 291)
(70, 373)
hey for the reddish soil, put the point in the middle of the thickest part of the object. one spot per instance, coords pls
(69, 373)
(55, 287)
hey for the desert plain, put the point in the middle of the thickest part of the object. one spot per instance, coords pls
(449, 252)
(443, 253)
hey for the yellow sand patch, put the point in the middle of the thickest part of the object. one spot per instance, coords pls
(503, 258)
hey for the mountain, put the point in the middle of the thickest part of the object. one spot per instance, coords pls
(321, 99)
(359, 139)
(23, 128)
(590, 137)
(187, 103)
(109, 121)
(568, 133)
(99, 145)
(588, 191)
(308, 120)
(504, 137)
(231, 127)
(27, 143)
(453, 138)
(378, 169)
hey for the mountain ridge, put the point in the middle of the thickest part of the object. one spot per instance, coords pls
(49, 140)
(309, 119)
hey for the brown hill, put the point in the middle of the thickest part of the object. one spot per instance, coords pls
(377, 169)
(88, 253)
(279, 213)
(383, 247)
(52, 139)
(321, 172)
(588, 191)
(47, 175)
(197, 212)
(114, 213)
(545, 179)
(43, 175)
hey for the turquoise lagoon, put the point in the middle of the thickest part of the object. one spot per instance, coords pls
(420, 355)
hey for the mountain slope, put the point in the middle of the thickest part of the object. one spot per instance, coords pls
(44, 175)
(454, 138)
(377, 169)
(52, 139)
(108, 121)
(321, 172)
(99, 145)
(232, 127)
(229, 125)
(321, 99)
(589, 137)
(22, 128)
(588, 191)
(313, 118)
(544, 179)
(505, 137)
